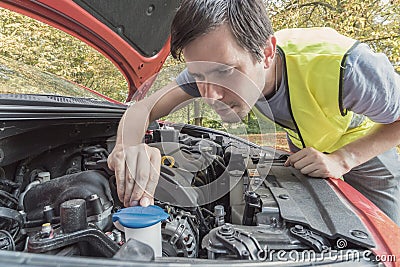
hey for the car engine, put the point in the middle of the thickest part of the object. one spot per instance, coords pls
(227, 199)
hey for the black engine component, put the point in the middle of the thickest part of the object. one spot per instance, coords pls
(248, 242)
(91, 241)
(252, 207)
(6, 241)
(180, 236)
(166, 135)
(73, 231)
(44, 200)
(174, 187)
(314, 240)
(11, 221)
(227, 240)
(73, 215)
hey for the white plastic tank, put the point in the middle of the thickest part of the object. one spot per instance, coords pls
(142, 224)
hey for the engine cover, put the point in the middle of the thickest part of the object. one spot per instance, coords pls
(93, 186)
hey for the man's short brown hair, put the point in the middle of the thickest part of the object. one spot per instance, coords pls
(247, 19)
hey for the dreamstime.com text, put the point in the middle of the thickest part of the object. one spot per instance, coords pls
(327, 254)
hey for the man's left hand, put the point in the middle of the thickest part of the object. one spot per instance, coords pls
(317, 164)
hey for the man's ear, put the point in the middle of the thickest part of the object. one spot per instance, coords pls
(269, 52)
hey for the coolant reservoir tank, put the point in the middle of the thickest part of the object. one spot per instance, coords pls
(142, 224)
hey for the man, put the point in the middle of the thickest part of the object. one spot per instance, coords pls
(338, 101)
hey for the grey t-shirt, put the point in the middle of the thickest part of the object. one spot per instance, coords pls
(371, 88)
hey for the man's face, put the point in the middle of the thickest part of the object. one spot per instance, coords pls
(228, 77)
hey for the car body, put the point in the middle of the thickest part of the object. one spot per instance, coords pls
(53, 149)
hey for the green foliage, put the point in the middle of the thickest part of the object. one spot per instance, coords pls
(34, 43)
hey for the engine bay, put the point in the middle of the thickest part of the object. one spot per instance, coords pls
(227, 199)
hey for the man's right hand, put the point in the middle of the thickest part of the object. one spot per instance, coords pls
(137, 170)
(136, 165)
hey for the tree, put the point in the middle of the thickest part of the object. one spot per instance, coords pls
(51, 50)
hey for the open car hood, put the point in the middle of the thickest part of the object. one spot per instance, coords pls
(134, 35)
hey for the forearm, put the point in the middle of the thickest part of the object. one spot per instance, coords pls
(136, 119)
(133, 125)
(381, 138)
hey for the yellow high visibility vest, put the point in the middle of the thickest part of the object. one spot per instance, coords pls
(315, 60)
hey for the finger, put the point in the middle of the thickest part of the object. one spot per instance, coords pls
(308, 151)
(142, 175)
(146, 200)
(287, 163)
(131, 165)
(120, 180)
(302, 163)
(110, 162)
(129, 185)
(115, 157)
(296, 157)
(155, 163)
(309, 169)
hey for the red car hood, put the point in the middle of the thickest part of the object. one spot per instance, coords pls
(133, 34)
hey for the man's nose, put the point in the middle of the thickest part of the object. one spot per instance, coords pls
(212, 91)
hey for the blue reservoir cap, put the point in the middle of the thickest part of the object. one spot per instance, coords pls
(140, 217)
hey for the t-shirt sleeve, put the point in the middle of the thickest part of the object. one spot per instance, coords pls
(187, 83)
(371, 86)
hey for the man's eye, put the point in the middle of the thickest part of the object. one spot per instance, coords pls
(226, 71)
